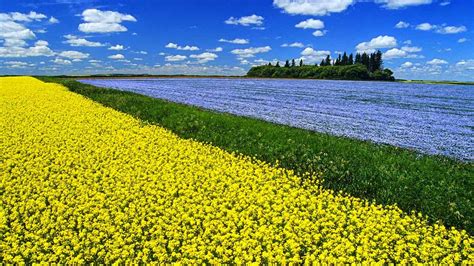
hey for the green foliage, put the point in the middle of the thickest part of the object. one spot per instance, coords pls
(437, 186)
(352, 72)
(365, 67)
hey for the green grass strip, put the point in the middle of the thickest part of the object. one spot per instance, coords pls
(437, 186)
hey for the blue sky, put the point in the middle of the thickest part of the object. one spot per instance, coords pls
(421, 39)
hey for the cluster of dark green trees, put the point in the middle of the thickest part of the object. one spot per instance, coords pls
(361, 67)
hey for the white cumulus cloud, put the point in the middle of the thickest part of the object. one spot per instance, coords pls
(53, 20)
(311, 24)
(412, 49)
(217, 49)
(295, 44)
(204, 57)
(61, 61)
(117, 47)
(40, 48)
(319, 33)
(73, 40)
(313, 7)
(97, 21)
(396, 4)
(425, 26)
(394, 53)
(175, 58)
(117, 57)
(235, 41)
(311, 56)
(251, 52)
(252, 20)
(437, 61)
(73, 55)
(407, 65)
(377, 43)
(451, 29)
(184, 48)
(402, 25)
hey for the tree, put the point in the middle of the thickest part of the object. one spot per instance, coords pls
(372, 63)
(301, 62)
(365, 60)
(345, 59)
(287, 63)
(323, 63)
(378, 60)
(328, 61)
(278, 64)
(338, 61)
(350, 60)
(358, 59)
(269, 63)
(293, 64)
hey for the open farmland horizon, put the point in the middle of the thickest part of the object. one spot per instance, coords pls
(237, 132)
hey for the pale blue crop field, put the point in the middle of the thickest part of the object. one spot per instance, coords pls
(433, 119)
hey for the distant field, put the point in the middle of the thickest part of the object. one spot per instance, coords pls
(439, 187)
(438, 82)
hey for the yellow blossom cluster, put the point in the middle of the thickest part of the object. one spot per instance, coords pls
(84, 183)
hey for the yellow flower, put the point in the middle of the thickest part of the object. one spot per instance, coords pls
(83, 183)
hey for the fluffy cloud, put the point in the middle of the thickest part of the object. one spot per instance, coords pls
(462, 40)
(425, 26)
(217, 49)
(312, 7)
(396, 4)
(13, 31)
(235, 41)
(22, 17)
(377, 43)
(407, 65)
(465, 65)
(394, 53)
(61, 61)
(437, 61)
(311, 24)
(76, 41)
(184, 48)
(97, 21)
(204, 57)
(443, 29)
(175, 58)
(53, 20)
(117, 47)
(319, 33)
(404, 52)
(411, 49)
(74, 55)
(295, 44)
(311, 56)
(117, 57)
(39, 49)
(17, 64)
(451, 29)
(252, 20)
(251, 52)
(402, 25)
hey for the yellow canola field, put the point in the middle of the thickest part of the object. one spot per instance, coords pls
(81, 182)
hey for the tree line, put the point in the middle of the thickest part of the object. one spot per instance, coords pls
(362, 66)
